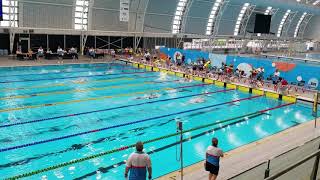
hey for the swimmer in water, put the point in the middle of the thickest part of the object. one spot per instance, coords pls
(79, 81)
(196, 100)
(151, 96)
(207, 94)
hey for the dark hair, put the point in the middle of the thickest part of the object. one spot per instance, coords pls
(214, 142)
(139, 146)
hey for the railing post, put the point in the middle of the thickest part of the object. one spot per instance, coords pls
(315, 108)
(315, 167)
(267, 171)
(179, 128)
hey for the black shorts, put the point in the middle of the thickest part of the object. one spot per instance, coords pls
(212, 168)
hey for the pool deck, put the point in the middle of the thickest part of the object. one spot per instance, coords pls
(250, 155)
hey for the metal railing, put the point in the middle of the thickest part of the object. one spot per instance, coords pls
(301, 162)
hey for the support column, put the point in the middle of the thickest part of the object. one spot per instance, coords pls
(83, 41)
(12, 35)
(64, 41)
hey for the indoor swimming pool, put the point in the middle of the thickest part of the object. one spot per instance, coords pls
(50, 115)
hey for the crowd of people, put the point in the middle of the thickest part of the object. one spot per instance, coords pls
(41, 53)
(227, 73)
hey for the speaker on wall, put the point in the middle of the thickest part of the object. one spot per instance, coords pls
(262, 24)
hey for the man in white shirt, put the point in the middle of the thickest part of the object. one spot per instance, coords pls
(40, 52)
(260, 73)
(147, 56)
(213, 155)
(276, 76)
(92, 52)
(138, 164)
(73, 53)
(60, 51)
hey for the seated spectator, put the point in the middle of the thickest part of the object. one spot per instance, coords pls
(130, 51)
(113, 53)
(29, 54)
(283, 86)
(74, 53)
(147, 56)
(260, 73)
(276, 76)
(49, 51)
(178, 59)
(40, 53)
(183, 59)
(230, 70)
(92, 52)
(60, 51)
(18, 51)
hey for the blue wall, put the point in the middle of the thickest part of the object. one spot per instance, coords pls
(292, 71)
(190, 55)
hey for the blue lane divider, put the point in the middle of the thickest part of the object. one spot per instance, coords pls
(71, 89)
(61, 72)
(73, 77)
(108, 109)
(121, 125)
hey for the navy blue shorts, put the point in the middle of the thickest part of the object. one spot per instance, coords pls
(212, 168)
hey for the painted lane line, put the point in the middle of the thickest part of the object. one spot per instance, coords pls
(108, 109)
(121, 125)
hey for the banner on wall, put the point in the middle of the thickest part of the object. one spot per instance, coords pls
(124, 10)
(217, 59)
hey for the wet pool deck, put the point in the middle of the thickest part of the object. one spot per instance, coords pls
(250, 155)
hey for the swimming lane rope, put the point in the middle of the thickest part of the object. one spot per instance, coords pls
(81, 90)
(145, 142)
(95, 98)
(120, 125)
(63, 72)
(108, 109)
(74, 77)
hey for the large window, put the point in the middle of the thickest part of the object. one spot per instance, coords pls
(268, 11)
(240, 17)
(212, 16)
(299, 23)
(284, 18)
(81, 15)
(10, 13)
(177, 21)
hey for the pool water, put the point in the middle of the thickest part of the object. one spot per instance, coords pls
(55, 114)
